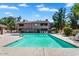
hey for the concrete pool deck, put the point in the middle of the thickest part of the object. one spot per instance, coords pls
(39, 51)
(7, 51)
(7, 38)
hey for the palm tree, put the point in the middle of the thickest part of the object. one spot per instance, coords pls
(58, 18)
(18, 19)
(24, 20)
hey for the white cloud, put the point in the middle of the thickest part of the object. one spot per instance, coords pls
(37, 15)
(23, 5)
(69, 5)
(8, 13)
(8, 7)
(11, 15)
(41, 7)
(47, 9)
(53, 10)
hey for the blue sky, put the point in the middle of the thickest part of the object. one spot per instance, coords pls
(32, 11)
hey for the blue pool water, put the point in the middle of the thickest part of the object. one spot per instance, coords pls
(40, 41)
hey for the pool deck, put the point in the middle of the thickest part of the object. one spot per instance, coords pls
(67, 39)
(7, 51)
(7, 38)
(39, 51)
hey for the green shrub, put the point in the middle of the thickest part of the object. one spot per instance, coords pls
(53, 30)
(67, 31)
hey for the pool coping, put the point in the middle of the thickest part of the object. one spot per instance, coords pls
(66, 39)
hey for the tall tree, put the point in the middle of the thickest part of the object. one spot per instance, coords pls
(56, 21)
(10, 22)
(74, 16)
(73, 21)
(75, 9)
(58, 18)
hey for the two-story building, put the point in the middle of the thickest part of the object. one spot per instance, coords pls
(33, 26)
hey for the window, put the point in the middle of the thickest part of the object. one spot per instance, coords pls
(36, 24)
(20, 29)
(21, 24)
(43, 24)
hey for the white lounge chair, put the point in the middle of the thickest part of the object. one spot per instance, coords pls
(77, 37)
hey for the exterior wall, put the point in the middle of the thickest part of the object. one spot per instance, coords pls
(33, 26)
(2, 30)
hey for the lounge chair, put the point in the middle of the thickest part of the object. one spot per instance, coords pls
(76, 37)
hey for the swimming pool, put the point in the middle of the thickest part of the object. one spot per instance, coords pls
(40, 41)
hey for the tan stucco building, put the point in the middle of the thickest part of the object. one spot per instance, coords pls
(2, 28)
(33, 26)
